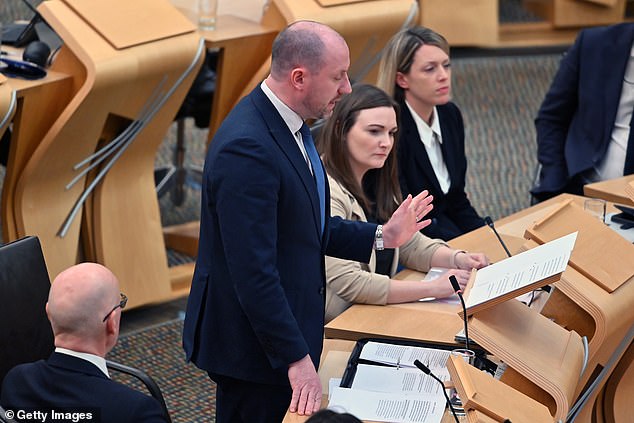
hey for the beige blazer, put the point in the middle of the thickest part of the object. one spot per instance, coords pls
(349, 282)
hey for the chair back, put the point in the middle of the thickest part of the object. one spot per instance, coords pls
(25, 332)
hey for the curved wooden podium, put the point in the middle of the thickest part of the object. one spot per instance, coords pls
(131, 64)
(366, 25)
(8, 102)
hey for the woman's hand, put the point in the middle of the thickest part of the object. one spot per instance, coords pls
(443, 286)
(407, 219)
(468, 261)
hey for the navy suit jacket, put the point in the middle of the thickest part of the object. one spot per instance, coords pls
(453, 214)
(576, 118)
(257, 298)
(67, 381)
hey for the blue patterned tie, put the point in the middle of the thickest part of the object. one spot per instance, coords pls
(318, 172)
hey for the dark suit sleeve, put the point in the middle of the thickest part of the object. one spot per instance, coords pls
(148, 410)
(554, 118)
(246, 183)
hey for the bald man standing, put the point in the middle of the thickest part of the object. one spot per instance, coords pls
(255, 314)
(84, 308)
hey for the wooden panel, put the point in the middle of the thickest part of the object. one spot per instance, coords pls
(433, 322)
(548, 355)
(600, 253)
(465, 23)
(133, 22)
(577, 13)
(614, 190)
(111, 96)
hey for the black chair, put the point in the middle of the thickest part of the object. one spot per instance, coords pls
(25, 332)
(197, 105)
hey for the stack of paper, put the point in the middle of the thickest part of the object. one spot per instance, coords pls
(393, 389)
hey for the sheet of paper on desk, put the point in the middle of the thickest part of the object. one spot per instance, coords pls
(521, 270)
(389, 407)
(404, 355)
(391, 379)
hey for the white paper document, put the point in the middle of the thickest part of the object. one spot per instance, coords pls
(521, 270)
(389, 407)
(404, 355)
(391, 379)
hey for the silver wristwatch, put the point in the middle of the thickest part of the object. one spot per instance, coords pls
(378, 238)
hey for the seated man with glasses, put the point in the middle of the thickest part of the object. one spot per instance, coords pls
(84, 308)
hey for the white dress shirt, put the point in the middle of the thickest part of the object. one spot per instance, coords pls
(291, 119)
(614, 160)
(431, 137)
(100, 362)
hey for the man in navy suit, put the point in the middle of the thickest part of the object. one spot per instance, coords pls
(84, 308)
(255, 312)
(583, 125)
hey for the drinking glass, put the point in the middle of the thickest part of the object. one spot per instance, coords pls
(596, 207)
(207, 14)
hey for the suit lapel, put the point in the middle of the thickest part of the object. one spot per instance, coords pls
(418, 148)
(448, 146)
(615, 58)
(286, 141)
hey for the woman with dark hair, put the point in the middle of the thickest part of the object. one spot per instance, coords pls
(416, 71)
(357, 145)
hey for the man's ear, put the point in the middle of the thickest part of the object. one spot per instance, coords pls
(298, 78)
(111, 324)
(401, 80)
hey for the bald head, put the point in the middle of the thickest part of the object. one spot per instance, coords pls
(80, 297)
(302, 44)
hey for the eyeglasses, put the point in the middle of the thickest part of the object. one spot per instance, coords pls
(122, 303)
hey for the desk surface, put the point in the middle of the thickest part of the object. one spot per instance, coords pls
(610, 190)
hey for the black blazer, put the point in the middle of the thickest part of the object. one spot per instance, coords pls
(257, 297)
(453, 214)
(71, 382)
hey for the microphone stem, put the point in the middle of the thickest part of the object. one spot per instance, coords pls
(508, 253)
(466, 326)
(444, 391)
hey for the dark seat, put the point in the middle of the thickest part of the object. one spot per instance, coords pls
(197, 105)
(25, 332)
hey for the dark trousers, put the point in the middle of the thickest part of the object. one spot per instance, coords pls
(239, 401)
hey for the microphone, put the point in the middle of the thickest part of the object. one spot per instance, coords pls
(489, 222)
(456, 287)
(426, 370)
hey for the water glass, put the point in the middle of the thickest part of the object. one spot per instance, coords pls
(207, 14)
(596, 207)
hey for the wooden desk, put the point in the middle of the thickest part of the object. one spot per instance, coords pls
(40, 103)
(433, 321)
(7, 104)
(108, 82)
(333, 362)
(611, 190)
(576, 304)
